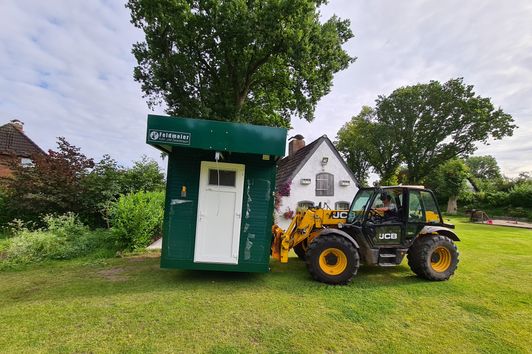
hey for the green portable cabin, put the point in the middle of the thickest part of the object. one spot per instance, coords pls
(219, 192)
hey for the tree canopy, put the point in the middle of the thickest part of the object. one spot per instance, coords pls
(255, 61)
(424, 125)
(449, 180)
(65, 180)
(356, 141)
(484, 167)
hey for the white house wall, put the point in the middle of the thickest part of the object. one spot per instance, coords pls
(313, 166)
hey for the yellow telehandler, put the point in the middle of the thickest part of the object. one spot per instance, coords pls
(382, 225)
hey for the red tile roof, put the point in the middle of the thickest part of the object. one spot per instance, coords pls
(14, 141)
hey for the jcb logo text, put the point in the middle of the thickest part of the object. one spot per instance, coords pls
(388, 236)
(339, 215)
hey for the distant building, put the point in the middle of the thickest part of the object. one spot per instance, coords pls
(15, 144)
(313, 174)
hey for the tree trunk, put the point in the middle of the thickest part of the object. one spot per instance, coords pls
(452, 205)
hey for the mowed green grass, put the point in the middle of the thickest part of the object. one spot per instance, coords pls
(131, 305)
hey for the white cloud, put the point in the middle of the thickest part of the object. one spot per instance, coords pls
(67, 71)
(398, 43)
(67, 68)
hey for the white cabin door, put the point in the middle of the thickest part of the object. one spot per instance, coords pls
(221, 188)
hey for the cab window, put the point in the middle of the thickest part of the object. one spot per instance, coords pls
(415, 208)
(432, 214)
(359, 206)
(387, 206)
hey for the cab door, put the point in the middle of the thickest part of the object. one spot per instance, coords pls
(385, 223)
(422, 210)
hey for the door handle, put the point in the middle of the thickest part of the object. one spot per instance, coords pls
(238, 215)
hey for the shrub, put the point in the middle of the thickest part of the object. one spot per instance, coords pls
(51, 185)
(136, 219)
(467, 199)
(496, 199)
(518, 212)
(4, 212)
(67, 226)
(521, 195)
(66, 180)
(64, 237)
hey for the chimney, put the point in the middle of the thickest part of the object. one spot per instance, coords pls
(17, 124)
(296, 143)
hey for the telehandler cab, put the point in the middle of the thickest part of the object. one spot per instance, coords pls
(382, 225)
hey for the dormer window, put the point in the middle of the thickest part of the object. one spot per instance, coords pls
(26, 162)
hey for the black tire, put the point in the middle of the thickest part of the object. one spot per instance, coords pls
(433, 257)
(301, 249)
(339, 259)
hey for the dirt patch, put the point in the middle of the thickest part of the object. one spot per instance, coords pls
(143, 257)
(510, 223)
(25, 293)
(114, 274)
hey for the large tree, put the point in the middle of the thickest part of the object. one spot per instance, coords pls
(484, 167)
(449, 180)
(436, 122)
(52, 184)
(367, 144)
(256, 61)
(424, 125)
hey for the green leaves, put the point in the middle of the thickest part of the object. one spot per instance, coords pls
(137, 218)
(250, 61)
(449, 179)
(65, 180)
(423, 126)
(436, 122)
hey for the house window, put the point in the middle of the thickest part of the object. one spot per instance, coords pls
(324, 184)
(25, 162)
(305, 204)
(341, 206)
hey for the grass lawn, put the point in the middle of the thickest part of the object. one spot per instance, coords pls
(130, 305)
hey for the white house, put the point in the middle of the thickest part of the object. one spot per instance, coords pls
(313, 174)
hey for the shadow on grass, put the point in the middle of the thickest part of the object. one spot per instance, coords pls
(293, 276)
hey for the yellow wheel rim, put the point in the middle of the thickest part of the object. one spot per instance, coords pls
(333, 261)
(440, 259)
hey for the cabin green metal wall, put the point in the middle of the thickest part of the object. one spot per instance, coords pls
(180, 219)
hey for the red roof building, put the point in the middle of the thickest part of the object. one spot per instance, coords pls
(15, 144)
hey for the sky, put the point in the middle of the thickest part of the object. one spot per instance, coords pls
(66, 69)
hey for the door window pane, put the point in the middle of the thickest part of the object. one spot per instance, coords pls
(359, 206)
(415, 208)
(226, 178)
(431, 209)
(324, 184)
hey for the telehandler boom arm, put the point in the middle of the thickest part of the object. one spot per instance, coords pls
(305, 226)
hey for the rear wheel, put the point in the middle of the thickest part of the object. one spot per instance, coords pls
(433, 257)
(301, 249)
(332, 259)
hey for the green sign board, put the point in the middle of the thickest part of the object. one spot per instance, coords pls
(164, 136)
(164, 132)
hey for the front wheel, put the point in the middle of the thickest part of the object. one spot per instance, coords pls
(433, 257)
(332, 259)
